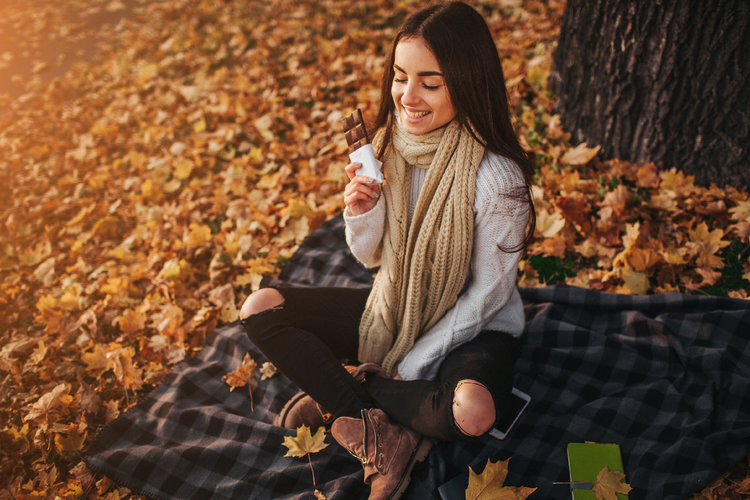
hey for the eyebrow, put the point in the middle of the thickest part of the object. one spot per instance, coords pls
(421, 73)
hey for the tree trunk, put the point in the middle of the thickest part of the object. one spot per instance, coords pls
(664, 81)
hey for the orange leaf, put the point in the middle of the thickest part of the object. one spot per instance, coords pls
(489, 484)
(577, 212)
(706, 244)
(242, 375)
(554, 247)
(199, 234)
(121, 362)
(96, 361)
(69, 444)
(642, 259)
(48, 402)
(579, 155)
(648, 176)
(609, 483)
(710, 277)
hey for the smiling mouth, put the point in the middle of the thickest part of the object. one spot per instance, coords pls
(417, 114)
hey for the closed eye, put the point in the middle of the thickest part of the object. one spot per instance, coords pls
(428, 87)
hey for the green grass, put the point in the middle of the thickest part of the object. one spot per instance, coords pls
(731, 276)
(554, 270)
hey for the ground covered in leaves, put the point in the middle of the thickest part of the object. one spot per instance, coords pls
(149, 191)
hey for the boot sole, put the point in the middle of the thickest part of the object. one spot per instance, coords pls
(281, 419)
(420, 454)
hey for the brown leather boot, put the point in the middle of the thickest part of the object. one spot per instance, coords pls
(388, 451)
(301, 410)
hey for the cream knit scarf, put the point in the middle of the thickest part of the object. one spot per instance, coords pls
(423, 266)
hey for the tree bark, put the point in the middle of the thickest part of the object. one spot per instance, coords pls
(666, 81)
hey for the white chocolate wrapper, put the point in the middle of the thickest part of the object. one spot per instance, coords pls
(370, 165)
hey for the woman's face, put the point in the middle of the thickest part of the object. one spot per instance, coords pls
(418, 88)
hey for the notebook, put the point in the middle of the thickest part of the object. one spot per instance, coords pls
(586, 460)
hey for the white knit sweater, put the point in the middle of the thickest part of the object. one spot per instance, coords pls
(489, 299)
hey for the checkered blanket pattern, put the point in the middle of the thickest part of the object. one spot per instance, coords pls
(666, 377)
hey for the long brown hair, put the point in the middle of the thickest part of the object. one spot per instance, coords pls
(461, 41)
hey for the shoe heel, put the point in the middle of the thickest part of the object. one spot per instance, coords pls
(420, 454)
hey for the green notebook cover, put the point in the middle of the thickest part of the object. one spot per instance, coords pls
(586, 460)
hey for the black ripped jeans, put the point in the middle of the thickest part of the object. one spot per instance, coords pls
(315, 328)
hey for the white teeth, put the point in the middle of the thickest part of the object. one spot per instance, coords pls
(419, 114)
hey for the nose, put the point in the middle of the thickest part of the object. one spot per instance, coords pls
(410, 97)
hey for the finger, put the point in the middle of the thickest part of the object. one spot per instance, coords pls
(364, 188)
(357, 195)
(352, 168)
(357, 200)
(363, 179)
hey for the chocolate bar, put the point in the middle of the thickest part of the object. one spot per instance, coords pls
(360, 149)
(355, 131)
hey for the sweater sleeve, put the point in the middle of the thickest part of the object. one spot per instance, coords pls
(491, 295)
(364, 234)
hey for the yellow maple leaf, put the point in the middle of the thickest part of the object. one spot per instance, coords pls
(305, 442)
(39, 353)
(115, 286)
(295, 231)
(677, 183)
(614, 203)
(706, 244)
(489, 484)
(146, 73)
(40, 252)
(199, 234)
(571, 181)
(674, 256)
(642, 259)
(168, 322)
(608, 483)
(69, 444)
(121, 362)
(741, 212)
(183, 168)
(96, 361)
(579, 155)
(554, 247)
(132, 320)
(632, 231)
(46, 303)
(549, 225)
(634, 283)
(48, 402)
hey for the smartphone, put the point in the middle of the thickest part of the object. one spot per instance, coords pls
(518, 402)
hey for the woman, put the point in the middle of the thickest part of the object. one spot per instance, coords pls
(437, 333)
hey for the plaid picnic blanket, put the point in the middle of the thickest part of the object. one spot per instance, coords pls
(666, 377)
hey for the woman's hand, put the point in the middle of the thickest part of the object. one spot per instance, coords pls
(362, 193)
